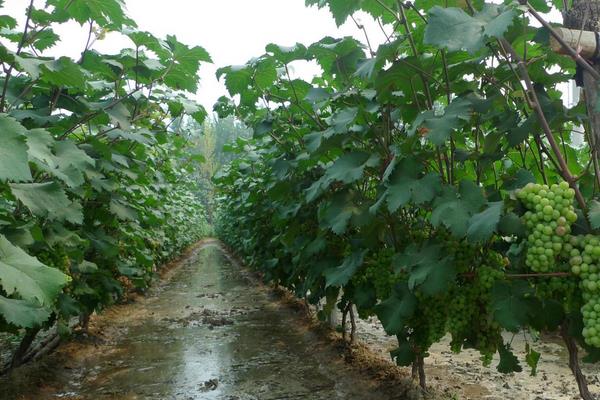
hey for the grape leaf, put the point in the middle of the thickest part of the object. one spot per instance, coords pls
(63, 72)
(439, 128)
(338, 212)
(510, 224)
(48, 200)
(483, 224)
(24, 275)
(403, 354)
(21, 313)
(340, 276)
(511, 304)
(532, 358)
(123, 211)
(287, 54)
(340, 9)
(394, 311)
(454, 209)
(342, 119)
(594, 214)
(454, 29)
(406, 185)
(350, 167)
(508, 361)
(428, 268)
(13, 152)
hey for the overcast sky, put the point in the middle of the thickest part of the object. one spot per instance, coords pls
(233, 31)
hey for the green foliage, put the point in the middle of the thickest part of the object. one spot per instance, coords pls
(96, 189)
(454, 29)
(394, 177)
(397, 174)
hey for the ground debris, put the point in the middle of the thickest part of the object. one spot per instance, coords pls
(209, 385)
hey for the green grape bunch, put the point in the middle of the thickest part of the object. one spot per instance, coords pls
(381, 273)
(585, 263)
(548, 219)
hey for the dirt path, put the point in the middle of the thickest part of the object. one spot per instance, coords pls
(208, 332)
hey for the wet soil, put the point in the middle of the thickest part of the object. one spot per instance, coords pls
(207, 332)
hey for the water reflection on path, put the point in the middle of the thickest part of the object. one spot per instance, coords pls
(208, 333)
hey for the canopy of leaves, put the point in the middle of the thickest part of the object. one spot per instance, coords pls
(94, 182)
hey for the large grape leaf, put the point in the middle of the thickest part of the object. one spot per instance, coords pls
(40, 143)
(338, 56)
(123, 211)
(63, 72)
(25, 276)
(454, 29)
(394, 311)
(101, 11)
(406, 185)
(508, 361)
(454, 209)
(339, 211)
(403, 354)
(484, 224)
(22, 313)
(13, 151)
(340, 276)
(67, 153)
(428, 268)
(512, 304)
(48, 200)
(350, 167)
(62, 159)
(437, 128)
(594, 214)
(287, 54)
(340, 9)
(188, 58)
(341, 120)
(347, 169)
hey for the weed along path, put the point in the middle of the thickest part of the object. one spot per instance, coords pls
(206, 332)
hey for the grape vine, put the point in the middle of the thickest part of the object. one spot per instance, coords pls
(437, 181)
(97, 189)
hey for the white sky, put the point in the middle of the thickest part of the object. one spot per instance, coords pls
(233, 31)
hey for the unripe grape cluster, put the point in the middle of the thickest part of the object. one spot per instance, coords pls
(461, 311)
(429, 324)
(591, 322)
(585, 263)
(470, 316)
(57, 258)
(557, 288)
(381, 273)
(463, 254)
(548, 220)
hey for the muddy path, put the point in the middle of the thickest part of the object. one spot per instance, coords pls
(207, 332)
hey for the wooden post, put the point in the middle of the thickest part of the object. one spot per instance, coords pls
(585, 16)
(584, 41)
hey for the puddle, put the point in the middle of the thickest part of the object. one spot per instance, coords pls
(207, 333)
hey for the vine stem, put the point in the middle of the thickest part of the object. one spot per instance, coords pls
(18, 52)
(528, 275)
(539, 275)
(535, 103)
(574, 363)
(364, 30)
